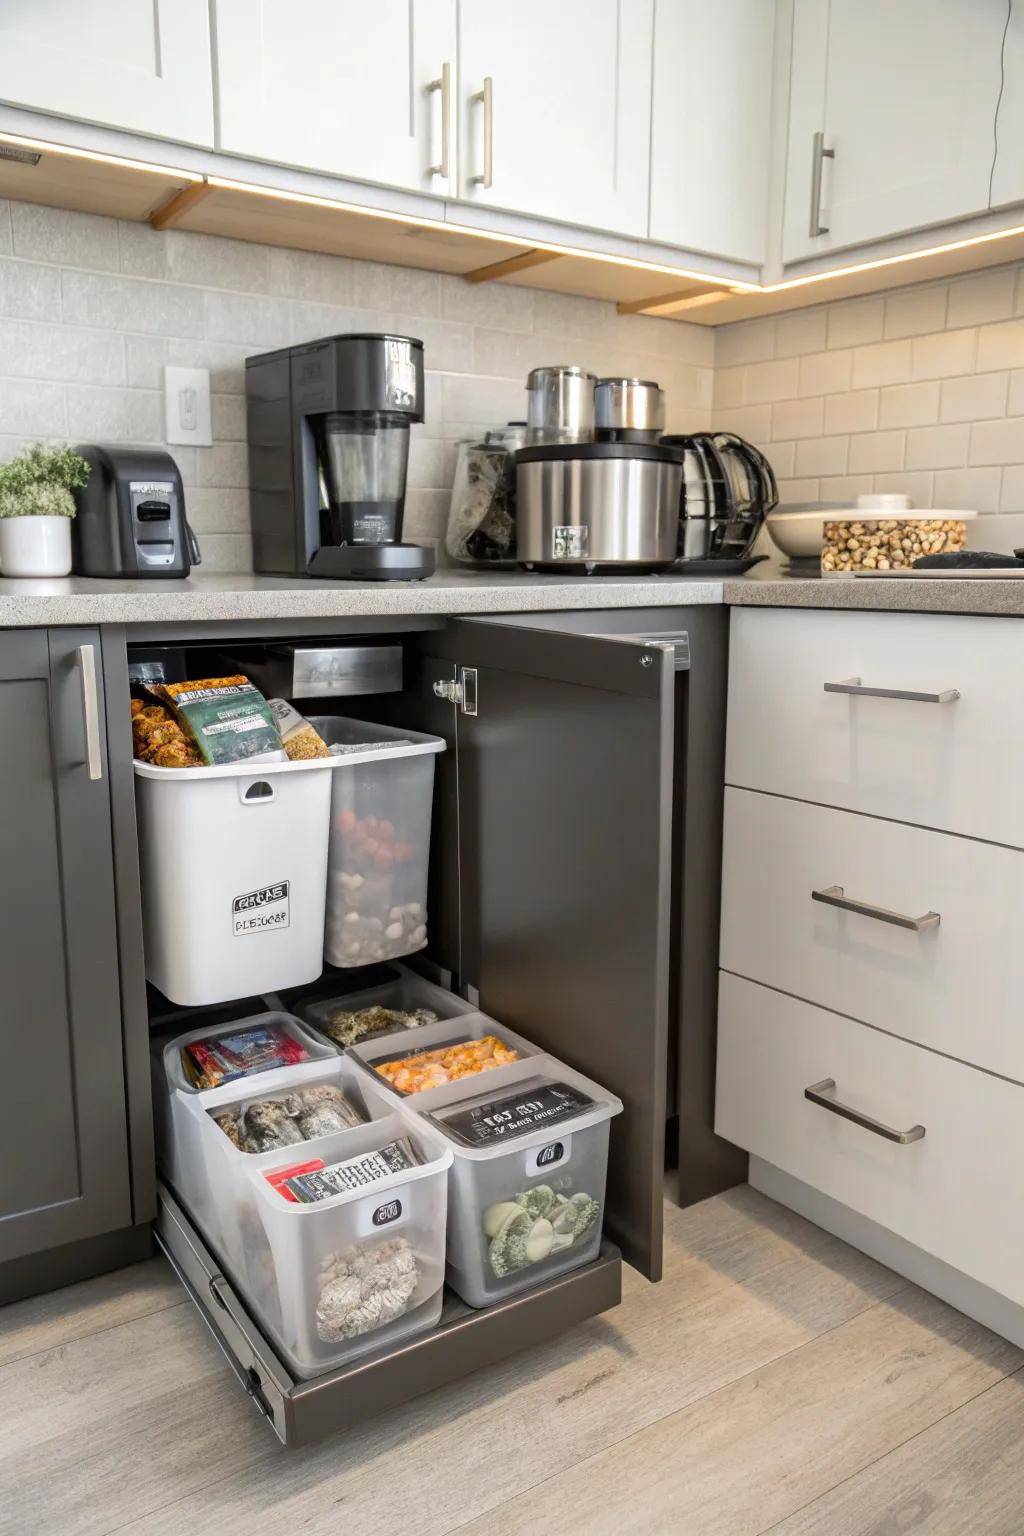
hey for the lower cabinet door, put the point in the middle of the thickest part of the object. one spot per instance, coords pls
(64, 1170)
(944, 1190)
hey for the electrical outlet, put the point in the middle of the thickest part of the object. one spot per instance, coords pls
(187, 406)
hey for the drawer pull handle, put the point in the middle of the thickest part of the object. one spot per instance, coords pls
(832, 896)
(817, 1093)
(856, 686)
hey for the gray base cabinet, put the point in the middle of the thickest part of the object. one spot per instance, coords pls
(64, 1174)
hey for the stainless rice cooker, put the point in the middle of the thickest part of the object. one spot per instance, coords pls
(585, 505)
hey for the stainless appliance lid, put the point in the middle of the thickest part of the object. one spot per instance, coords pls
(545, 452)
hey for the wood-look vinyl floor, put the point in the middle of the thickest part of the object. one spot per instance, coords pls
(777, 1381)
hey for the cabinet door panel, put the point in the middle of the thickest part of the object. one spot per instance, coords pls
(334, 86)
(709, 146)
(64, 1174)
(1008, 178)
(143, 65)
(571, 108)
(908, 97)
(565, 806)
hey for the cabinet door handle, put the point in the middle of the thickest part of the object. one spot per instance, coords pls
(444, 85)
(487, 97)
(855, 686)
(832, 896)
(817, 1093)
(90, 710)
(820, 154)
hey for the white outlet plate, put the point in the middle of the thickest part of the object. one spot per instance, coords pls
(187, 406)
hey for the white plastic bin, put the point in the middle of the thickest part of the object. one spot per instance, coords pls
(433, 1037)
(234, 863)
(524, 1206)
(381, 802)
(350, 1261)
(407, 993)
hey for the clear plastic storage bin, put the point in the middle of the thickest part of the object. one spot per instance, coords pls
(234, 866)
(434, 1037)
(381, 802)
(407, 993)
(527, 1185)
(356, 1272)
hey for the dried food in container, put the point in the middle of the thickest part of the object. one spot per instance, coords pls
(364, 1287)
(227, 717)
(348, 1026)
(302, 741)
(536, 1224)
(300, 1114)
(447, 1064)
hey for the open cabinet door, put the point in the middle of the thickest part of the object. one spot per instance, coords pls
(565, 777)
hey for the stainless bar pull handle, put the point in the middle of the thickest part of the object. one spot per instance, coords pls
(855, 686)
(487, 97)
(817, 1093)
(832, 896)
(90, 710)
(820, 154)
(444, 85)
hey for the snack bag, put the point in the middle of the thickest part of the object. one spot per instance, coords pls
(301, 740)
(227, 717)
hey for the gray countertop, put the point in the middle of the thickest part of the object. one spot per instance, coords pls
(83, 600)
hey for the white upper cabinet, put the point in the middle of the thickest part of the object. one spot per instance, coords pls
(1008, 178)
(555, 110)
(711, 125)
(340, 86)
(142, 65)
(903, 93)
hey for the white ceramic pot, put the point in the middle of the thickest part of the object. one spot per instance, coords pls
(35, 546)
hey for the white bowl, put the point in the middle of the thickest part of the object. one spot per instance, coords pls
(799, 531)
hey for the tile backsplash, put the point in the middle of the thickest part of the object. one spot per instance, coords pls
(92, 309)
(919, 390)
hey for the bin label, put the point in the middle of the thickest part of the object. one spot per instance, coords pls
(540, 1159)
(385, 1213)
(260, 911)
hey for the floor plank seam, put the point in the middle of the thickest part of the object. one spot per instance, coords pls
(926, 1429)
(96, 1333)
(135, 1523)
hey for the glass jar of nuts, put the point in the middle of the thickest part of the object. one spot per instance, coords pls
(870, 543)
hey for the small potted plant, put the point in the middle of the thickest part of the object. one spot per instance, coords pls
(36, 508)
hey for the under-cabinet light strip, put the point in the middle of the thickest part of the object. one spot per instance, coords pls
(41, 146)
(892, 261)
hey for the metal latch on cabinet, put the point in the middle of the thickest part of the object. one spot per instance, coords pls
(674, 641)
(462, 692)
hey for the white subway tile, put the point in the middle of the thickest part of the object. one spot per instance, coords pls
(499, 305)
(822, 456)
(226, 553)
(771, 381)
(207, 261)
(447, 345)
(429, 463)
(225, 362)
(854, 411)
(145, 357)
(798, 490)
(311, 276)
(687, 388)
(917, 484)
(310, 321)
(426, 513)
(981, 298)
(856, 323)
(749, 341)
(409, 290)
(886, 362)
(217, 510)
(974, 397)
(484, 402)
(944, 354)
(1011, 495)
(32, 350)
(1001, 346)
(505, 355)
(29, 291)
(915, 311)
(998, 442)
(754, 422)
(909, 405)
(6, 243)
(61, 236)
(228, 417)
(225, 465)
(729, 387)
(871, 452)
(131, 304)
(797, 418)
(966, 490)
(99, 414)
(262, 323)
(782, 458)
(1015, 399)
(937, 447)
(825, 373)
(804, 330)
(844, 488)
(31, 408)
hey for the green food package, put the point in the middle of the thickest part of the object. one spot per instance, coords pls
(227, 717)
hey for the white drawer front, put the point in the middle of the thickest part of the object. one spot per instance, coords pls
(958, 766)
(958, 987)
(955, 1193)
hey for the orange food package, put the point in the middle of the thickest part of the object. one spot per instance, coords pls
(449, 1063)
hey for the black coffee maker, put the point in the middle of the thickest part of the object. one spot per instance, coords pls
(328, 427)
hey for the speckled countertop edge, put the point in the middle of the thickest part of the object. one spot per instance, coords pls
(986, 596)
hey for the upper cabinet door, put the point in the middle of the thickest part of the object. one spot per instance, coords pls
(905, 98)
(143, 65)
(339, 86)
(556, 109)
(710, 144)
(1008, 178)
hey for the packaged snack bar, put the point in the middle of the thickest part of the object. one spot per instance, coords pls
(227, 718)
(221, 1058)
(351, 1174)
(301, 740)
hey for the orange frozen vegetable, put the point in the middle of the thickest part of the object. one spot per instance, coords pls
(432, 1069)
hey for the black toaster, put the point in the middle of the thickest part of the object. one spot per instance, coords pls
(131, 515)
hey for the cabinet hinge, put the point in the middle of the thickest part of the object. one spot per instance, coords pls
(462, 692)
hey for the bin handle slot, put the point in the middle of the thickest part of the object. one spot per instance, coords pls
(259, 792)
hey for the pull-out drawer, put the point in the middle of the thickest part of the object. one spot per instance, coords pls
(929, 728)
(955, 984)
(945, 1191)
